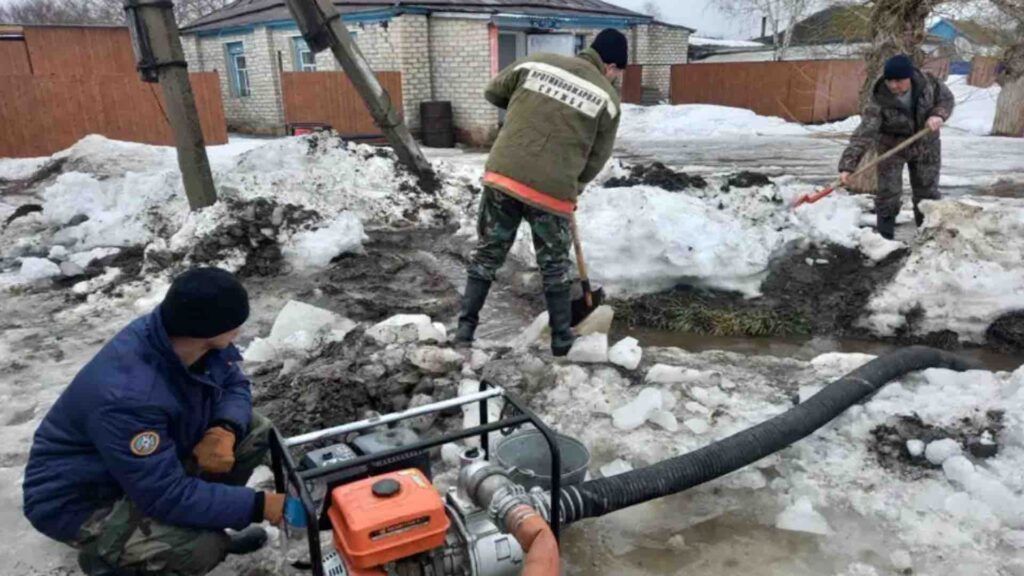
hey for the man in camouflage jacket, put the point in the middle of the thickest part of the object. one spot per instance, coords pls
(902, 102)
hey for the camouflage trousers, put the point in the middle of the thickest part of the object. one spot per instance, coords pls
(924, 160)
(497, 225)
(121, 541)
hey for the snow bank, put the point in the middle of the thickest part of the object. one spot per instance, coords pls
(645, 239)
(667, 122)
(965, 270)
(118, 194)
(975, 107)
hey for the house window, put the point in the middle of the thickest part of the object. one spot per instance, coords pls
(581, 43)
(238, 72)
(304, 58)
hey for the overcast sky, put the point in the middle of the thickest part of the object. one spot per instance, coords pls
(702, 15)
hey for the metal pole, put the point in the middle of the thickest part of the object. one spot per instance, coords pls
(161, 58)
(411, 412)
(322, 28)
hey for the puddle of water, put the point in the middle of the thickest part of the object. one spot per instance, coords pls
(728, 545)
(799, 348)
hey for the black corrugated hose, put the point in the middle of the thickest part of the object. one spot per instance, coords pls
(599, 497)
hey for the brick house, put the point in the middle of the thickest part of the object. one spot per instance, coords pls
(444, 49)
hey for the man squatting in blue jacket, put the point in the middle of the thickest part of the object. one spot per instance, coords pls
(141, 464)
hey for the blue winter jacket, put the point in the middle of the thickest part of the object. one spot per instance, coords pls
(126, 425)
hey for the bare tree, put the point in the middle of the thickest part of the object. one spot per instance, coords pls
(780, 15)
(94, 11)
(652, 10)
(1009, 120)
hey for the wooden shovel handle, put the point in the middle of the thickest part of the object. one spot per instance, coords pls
(580, 261)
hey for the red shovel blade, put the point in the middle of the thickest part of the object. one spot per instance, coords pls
(812, 198)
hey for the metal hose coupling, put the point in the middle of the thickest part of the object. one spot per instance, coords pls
(489, 487)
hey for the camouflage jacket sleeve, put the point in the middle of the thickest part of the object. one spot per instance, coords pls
(944, 99)
(864, 137)
(601, 151)
(499, 91)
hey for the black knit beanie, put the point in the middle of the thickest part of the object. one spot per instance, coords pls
(612, 46)
(203, 303)
(899, 67)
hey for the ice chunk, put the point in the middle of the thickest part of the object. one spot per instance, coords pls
(696, 425)
(58, 252)
(478, 360)
(665, 374)
(406, 328)
(83, 259)
(634, 414)
(592, 349)
(676, 543)
(597, 322)
(434, 360)
(626, 353)
(958, 469)
(939, 451)
(450, 454)
(665, 419)
(801, 517)
(915, 447)
(615, 467)
(298, 329)
(874, 246)
(314, 249)
(901, 560)
(532, 333)
(696, 407)
(36, 269)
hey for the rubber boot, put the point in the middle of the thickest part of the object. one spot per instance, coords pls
(560, 319)
(247, 541)
(886, 226)
(472, 301)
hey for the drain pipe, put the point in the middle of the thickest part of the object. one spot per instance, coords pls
(491, 488)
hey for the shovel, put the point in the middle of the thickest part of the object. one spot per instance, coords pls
(583, 306)
(812, 198)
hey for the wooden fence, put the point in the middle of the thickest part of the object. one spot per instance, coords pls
(632, 84)
(984, 70)
(330, 98)
(807, 91)
(799, 91)
(59, 84)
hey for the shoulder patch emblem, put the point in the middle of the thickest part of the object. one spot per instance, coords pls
(145, 443)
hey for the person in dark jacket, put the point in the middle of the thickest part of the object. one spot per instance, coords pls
(563, 115)
(141, 464)
(903, 102)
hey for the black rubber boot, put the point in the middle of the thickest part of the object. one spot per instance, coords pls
(560, 320)
(918, 216)
(887, 227)
(472, 301)
(247, 541)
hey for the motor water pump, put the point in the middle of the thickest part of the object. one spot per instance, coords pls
(375, 497)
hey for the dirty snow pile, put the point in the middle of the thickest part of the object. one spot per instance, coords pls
(948, 512)
(644, 239)
(668, 122)
(296, 202)
(966, 269)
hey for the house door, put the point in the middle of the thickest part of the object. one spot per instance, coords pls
(564, 44)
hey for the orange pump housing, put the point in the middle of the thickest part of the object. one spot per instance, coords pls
(386, 518)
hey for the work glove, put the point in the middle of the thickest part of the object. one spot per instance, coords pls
(215, 453)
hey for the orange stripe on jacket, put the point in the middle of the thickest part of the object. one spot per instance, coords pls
(530, 195)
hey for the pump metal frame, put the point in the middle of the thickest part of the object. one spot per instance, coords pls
(287, 475)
